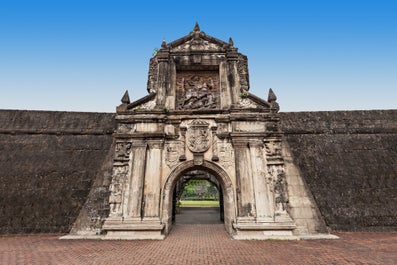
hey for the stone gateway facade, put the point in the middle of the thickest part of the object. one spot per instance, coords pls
(119, 175)
(200, 116)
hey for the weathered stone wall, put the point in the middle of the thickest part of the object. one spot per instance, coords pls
(50, 160)
(48, 163)
(349, 161)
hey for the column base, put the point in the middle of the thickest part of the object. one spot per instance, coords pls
(132, 229)
(264, 230)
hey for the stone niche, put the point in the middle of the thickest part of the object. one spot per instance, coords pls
(200, 116)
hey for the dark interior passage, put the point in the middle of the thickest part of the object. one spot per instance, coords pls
(190, 202)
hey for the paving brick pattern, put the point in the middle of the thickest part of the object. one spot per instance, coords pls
(201, 244)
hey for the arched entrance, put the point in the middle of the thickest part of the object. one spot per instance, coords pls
(225, 184)
(197, 199)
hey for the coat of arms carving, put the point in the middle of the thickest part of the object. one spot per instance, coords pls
(198, 136)
(172, 153)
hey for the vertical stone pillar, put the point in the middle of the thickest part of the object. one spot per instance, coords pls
(246, 207)
(152, 181)
(133, 207)
(215, 156)
(233, 76)
(263, 194)
(120, 177)
(163, 77)
(226, 98)
(182, 157)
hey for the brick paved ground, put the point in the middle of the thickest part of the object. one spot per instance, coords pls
(200, 244)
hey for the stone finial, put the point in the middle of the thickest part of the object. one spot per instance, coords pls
(196, 27)
(231, 43)
(163, 44)
(271, 96)
(126, 98)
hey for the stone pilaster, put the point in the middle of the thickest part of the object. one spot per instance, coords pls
(152, 181)
(246, 208)
(215, 156)
(134, 204)
(163, 76)
(234, 81)
(263, 194)
(182, 157)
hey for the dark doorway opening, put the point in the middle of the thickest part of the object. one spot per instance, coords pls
(197, 199)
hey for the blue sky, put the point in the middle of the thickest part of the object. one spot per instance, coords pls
(82, 55)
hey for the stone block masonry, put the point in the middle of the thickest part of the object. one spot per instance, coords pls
(349, 162)
(48, 163)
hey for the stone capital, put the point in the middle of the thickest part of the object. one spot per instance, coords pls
(155, 144)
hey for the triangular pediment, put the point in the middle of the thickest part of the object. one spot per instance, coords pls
(250, 101)
(199, 73)
(198, 41)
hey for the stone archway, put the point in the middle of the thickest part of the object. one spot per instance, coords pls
(224, 182)
(182, 185)
(199, 115)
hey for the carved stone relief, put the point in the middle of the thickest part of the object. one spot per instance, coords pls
(152, 76)
(273, 148)
(173, 152)
(246, 103)
(225, 152)
(198, 139)
(197, 90)
(242, 67)
(196, 44)
(116, 189)
(126, 128)
(123, 150)
(147, 106)
(279, 187)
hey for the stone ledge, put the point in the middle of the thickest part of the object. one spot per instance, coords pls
(264, 226)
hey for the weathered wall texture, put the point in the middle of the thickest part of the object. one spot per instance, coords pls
(48, 163)
(349, 161)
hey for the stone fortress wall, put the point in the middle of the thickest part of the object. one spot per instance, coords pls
(349, 162)
(48, 164)
(52, 163)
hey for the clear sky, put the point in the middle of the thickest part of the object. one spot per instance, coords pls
(81, 55)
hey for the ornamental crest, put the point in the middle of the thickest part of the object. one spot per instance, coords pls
(198, 136)
(172, 153)
(226, 155)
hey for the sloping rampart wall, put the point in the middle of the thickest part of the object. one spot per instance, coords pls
(48, 163)
(50, 160)
(349, 162)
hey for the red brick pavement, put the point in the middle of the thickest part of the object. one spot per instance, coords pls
(200, 244)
